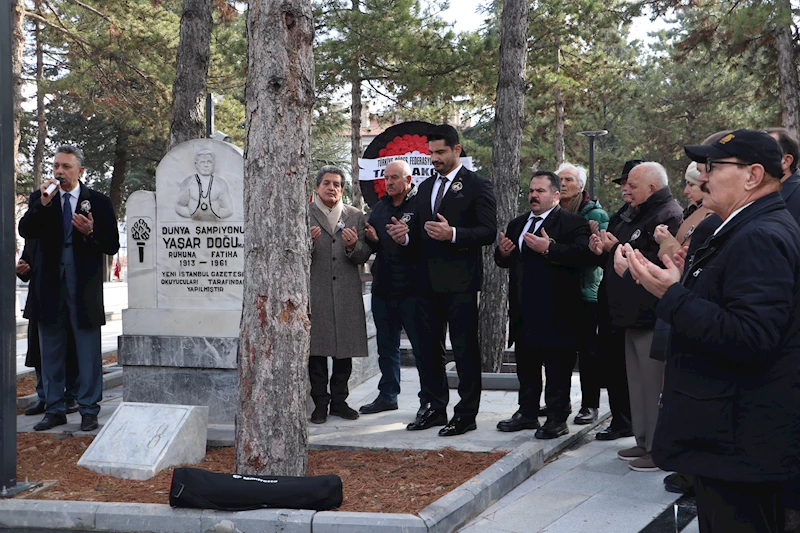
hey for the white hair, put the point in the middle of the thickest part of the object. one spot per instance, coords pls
(579, 170)
(654, 173)
(405, 167)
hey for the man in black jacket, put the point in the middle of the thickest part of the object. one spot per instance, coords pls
(731, 403)
(394, 298)
(456, 217)
(545, 251)
(632, 308)
(790, 179)
(75, 227)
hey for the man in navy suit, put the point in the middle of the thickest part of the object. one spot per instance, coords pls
(75, 226)
(545, 251)
(456, 217)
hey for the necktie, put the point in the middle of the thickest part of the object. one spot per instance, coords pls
(67, 218)
(531, 229)
(439, 194)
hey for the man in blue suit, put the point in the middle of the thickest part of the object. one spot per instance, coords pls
(75, 226)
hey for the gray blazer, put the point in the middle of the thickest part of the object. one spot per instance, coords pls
(338, 323)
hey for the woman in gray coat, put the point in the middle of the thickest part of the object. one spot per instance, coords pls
(338, 324)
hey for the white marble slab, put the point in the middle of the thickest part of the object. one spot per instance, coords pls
(141, 439)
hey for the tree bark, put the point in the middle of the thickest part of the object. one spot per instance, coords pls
(355, 121)
(17, 47)
(787, 72)
(509, 117)
(41, 119)
(189, 91)
(271, 426)
(559, 101)
(120, 169)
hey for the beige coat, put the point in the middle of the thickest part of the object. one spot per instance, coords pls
(338, 324)
(684, 235)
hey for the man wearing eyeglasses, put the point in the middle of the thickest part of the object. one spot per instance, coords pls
(730, 408)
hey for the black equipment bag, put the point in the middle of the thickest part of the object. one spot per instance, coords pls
(200, 489)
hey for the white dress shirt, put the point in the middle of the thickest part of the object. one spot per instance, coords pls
(539, 223)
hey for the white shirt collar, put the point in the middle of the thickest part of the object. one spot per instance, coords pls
(75, 193)
(543, 216)
(452, 175)
(731, 217)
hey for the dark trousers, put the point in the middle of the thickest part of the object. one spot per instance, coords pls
(558, 364)
(587, 356)
(318, 375)
(611, 365)
(53, 343)
(733, 507)
(34, 359)
(460, 312)
(391, 315)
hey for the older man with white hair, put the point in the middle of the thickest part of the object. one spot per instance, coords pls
(631, 307)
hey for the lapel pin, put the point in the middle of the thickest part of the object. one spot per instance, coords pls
(86, 206)
(457, 186)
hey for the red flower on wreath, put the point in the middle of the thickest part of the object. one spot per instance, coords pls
(379, 186)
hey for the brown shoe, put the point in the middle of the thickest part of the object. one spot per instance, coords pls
(629, 454)
(644, 464)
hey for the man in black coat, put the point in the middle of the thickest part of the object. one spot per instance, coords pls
(394, 284)
(75, 227)
(456, 217)
(33, 357)
(790, 179)
(545, 251)
(731, 403)
(632, 308)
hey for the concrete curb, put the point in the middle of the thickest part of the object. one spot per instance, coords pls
(443, 516)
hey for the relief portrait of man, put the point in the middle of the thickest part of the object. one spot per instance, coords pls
(204, 196)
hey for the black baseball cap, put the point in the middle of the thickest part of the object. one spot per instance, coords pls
(750, 146)
(627, 169)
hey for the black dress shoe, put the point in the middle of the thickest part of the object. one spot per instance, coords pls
(378, 406)
(88, 422)
(428, 419)
(458, 426)
(552, 430)
(72, 406)
(586, 415)
(320, 414)
(613, 434)
(518, 422)
(343, 410)
(50, 421)
(679, 484)
(35, 409)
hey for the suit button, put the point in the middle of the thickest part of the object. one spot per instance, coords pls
(334, 241)
(333, 259)
(334, 278)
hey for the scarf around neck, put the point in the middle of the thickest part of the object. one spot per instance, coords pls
(333, 214)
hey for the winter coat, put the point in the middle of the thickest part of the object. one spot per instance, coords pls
(629, 304)
(338, 322)
(685, 232)
(592, 276)
(730, 406)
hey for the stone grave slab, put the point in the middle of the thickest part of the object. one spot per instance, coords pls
(141, 439)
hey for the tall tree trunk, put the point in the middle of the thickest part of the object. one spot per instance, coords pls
(355, 122)
(559, 101)
(787, 72)
(41, 119)
(17, 46)
(189, 91)
(509, 117)
(271, 426)
(120, 169)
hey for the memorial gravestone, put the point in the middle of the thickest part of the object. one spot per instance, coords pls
(185, 283)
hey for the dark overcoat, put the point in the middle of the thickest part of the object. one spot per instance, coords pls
(45, 223)
(338, 322)
(544, 291)
(731, 398)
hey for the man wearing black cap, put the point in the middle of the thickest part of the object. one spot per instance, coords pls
(730, 410)
(611, 342)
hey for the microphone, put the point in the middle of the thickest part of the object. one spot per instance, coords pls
(52, 187)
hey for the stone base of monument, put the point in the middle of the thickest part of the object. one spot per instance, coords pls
(141, 439)
(199, 368)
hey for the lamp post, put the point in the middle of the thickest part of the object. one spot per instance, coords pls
(592, 135)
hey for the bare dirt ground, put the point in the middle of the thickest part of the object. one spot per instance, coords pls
(374, 481)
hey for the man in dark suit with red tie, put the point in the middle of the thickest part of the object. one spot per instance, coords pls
(455, 218)
(545, 251)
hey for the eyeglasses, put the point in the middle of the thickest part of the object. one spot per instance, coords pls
(711, 162)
